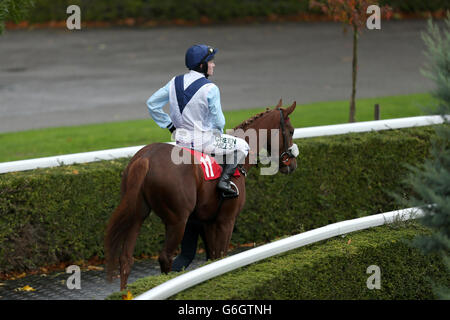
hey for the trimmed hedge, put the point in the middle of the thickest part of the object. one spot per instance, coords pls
(55, 215)
(190, 10)
(331, 269)
(338, 178)
(59, 214)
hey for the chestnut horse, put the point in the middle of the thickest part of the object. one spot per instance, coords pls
(174, 192)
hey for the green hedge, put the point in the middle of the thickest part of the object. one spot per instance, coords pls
(215, 10)
(338, 178)
(416, 5)
(331, 269)
(59, 214)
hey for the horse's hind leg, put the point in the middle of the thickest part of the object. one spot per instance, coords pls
(218, 237)
(126, 258)
(174, 235)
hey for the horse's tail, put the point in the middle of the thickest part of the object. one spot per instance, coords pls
(125, 215)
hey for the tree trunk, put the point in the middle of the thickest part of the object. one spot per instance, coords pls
(354, 72)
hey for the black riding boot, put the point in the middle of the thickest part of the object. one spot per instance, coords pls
(224, 184)
(231, 163)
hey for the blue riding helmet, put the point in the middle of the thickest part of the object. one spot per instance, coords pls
(197, 54)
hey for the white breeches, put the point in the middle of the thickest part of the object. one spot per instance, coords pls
(222, 145)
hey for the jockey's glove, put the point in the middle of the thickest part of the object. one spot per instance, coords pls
(171, 127)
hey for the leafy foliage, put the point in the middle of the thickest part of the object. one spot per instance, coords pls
(431, 181)
(416, 5)
(14, 10)
(191, 10)
(350, 12)
(437, 67)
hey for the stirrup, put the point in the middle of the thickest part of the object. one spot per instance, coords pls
(230, 195)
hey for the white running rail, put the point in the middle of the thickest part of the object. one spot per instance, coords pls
(55, 161)
(366, 126)
(67, 159)
(187, 280)
(110, 154)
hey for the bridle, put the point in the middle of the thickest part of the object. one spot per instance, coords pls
(289, 152)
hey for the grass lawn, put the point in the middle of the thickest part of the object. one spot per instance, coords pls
(65, 140)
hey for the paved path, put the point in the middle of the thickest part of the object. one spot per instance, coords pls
(94, 286)
(59, 77)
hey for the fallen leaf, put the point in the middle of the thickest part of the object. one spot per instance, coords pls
(95, 268)
(128, 296)
(248, 245)
(26, 288)
(349, 241)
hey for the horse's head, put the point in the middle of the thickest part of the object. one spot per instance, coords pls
(288, 151)
(271, 130)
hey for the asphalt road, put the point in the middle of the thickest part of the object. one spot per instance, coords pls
(60, 77)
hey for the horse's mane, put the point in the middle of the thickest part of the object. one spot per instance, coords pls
(247, 122)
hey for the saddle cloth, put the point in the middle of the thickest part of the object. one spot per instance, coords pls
(211, 169)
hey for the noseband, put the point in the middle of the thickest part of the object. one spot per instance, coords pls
(288, 153)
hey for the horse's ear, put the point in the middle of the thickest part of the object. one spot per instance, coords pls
(288, 111)
(291, 108)
(279, 104)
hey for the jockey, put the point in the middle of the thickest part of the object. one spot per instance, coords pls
(196, 114)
